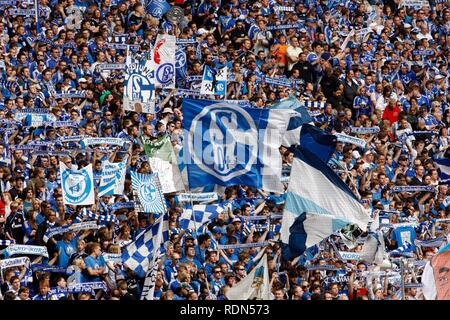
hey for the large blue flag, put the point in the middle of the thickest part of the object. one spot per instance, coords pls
(318, 203)
(318, 141)
(227, 144)
(298, 116)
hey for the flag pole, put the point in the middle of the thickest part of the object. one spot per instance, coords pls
(36, 16)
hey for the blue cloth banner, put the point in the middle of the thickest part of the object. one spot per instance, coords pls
(148, 191)
(228, 144)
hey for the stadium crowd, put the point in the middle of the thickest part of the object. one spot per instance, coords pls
(355, 63)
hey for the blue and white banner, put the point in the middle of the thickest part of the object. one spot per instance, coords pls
(412, 189)
(349, 255)
(110, 66)
(121, 46)
(86, 142)
(71, 94)
(14, 262)
(163, 61)
(148, 191)
(341, 137)
(364, 130)
(139, 254)
(25, 250)
(37, 120)
(243, 245)
(437, 242)
(199, 215)
(121, 205)
(48, 268)
(77, 185)
(87, 287)
(318, 203)
(180, 64)
(112, 178)
(214, 81)
(157, 8)
(58, 124)
(181, 42)
(285, 26)
(7, 242)
(227, 144)
(423, 52)
(112, 257)
(74, 227)
(189, 93)
(200, 197)
(314, 104)
(279, 82)
(139, 85)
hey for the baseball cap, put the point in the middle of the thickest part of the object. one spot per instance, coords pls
(82, 80)
(236, 219)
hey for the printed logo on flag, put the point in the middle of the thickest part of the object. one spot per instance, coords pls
(228, 147)
(77, 185)
(214, 82)
(165, 74)
(148, 192)
(139, 87)
(164, 56)
(180, 59)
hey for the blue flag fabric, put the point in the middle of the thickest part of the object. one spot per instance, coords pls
(199, 215)
(157, 8)
(309, 216)
(318, 142)
(139, 253)
(227, 144)
(294, 104)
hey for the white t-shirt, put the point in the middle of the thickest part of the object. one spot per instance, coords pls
(291, 51)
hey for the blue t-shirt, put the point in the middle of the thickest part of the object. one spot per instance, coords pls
(65, 250)
(94, 263)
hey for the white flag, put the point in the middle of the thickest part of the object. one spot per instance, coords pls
(255, 285)
(77, 185)
(163, 61)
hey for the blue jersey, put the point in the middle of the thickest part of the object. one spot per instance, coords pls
(94, 263)
(65, 250)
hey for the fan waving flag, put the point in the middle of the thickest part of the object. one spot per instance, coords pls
(139, 254)
(318, 203)
(227, 144)
(148, 191)
(199, 215)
